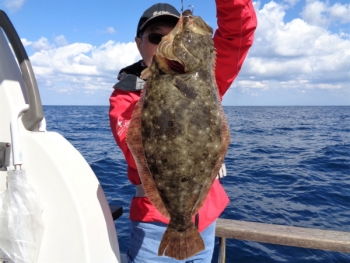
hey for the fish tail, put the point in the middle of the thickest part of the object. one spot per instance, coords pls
(181, 245)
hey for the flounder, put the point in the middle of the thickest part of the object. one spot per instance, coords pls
(178, 133)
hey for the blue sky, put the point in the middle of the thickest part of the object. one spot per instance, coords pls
(301, 53)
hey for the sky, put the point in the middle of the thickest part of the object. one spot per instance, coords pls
(300, 54)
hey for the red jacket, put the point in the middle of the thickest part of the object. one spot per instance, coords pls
(233, 38)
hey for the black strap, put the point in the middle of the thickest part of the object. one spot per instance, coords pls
(196, 220)
(129, 77)
(129, 82)
(134, 69)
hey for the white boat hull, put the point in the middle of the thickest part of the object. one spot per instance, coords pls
(78, 225)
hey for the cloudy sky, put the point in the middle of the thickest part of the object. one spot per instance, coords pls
(301, 53)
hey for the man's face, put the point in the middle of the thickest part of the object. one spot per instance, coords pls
(146, 48)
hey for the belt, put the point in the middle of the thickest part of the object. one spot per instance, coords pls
(140, 191)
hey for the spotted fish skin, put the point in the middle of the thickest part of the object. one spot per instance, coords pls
(178, 133)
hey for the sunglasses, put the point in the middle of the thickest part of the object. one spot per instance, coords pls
(153, 38)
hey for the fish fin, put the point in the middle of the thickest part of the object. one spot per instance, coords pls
(145, 73)
(225, 142)
(134, 142)
(181, 245)
(152, 192)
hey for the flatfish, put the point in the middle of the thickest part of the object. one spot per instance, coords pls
(178, 133)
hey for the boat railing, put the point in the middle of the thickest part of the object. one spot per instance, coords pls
(303, 237)
(34, 115)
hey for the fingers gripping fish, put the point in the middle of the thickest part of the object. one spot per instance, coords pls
(178, 133)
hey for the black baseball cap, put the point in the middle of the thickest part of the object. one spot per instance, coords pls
(156, 13)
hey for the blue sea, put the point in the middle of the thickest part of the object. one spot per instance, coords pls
(286, 165)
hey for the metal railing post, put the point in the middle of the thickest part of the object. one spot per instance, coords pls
(222, 250)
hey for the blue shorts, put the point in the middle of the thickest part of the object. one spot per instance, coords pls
(145, 239)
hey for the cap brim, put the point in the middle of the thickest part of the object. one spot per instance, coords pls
(158, 18)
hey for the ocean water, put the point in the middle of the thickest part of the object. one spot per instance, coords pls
(286, 165)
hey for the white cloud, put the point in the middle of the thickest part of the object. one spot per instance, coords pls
(296, 55)
(61, 40)
(25, 42)
(291, 2)
(300, 56)
(323, 15)
(315, 13)
(42, 44)
(108, 30)
(13, 5)
(340, 13)
(80, 67)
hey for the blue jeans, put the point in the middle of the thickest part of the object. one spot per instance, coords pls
(145, 239)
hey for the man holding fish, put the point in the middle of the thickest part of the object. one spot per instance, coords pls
(169, 123)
